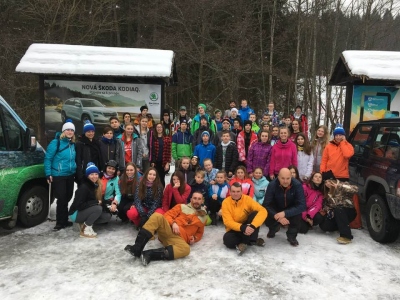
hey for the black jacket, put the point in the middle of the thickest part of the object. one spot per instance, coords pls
(291, 200)
(112, 150)
(87, 151)
(85, 196)
(231, 158)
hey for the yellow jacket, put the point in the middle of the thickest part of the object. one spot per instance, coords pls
(234, 213)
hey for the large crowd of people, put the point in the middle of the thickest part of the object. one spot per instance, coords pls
(229, 168)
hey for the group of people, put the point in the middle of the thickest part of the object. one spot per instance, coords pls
(227, 169)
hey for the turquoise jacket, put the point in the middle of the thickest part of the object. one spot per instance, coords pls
(61, 161)
(112, 190)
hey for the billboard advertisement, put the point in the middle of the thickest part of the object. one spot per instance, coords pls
(373, 102)
(96, 101)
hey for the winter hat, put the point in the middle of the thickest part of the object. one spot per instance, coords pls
(248, 122)
(68, 125)
(202, 105)
(91, 168)
(234, 109)
(182, 108)
(339, 130)
(165, 111)
(203, 117)
(217, 111)
(184, 121)
(205, 132)
(88, 126)
(226, 120)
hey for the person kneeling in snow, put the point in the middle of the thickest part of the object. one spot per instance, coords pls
(181, 226)
(242, 218)
(86, 209)
(284, 201)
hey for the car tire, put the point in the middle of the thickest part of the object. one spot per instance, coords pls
(63, 116)
(382, 227)
(85, 118)
(33, 206)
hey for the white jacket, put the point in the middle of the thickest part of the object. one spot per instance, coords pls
(304, 164)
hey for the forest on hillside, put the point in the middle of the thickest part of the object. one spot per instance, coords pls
(277, 51)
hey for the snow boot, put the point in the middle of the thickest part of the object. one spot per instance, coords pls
(87, 231)
(157, 254)
(141, 240)
(213, 217)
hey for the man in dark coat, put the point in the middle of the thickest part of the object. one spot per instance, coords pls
(284, 201)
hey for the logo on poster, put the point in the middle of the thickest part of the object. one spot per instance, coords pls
(153, 96)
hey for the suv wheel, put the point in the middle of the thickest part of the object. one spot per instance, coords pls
(63, 116)
(382, 227)
(85, 118)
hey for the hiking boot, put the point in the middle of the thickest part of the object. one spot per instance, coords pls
(88, 232)
(141, 240)
(241, 248)
(273, 230)
(58, 227)
(293, 241)
(154, 254)
(260, 242)
(213, 218)
(343, 240)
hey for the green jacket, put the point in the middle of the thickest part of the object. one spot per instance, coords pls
(181, 144)
(196, 124)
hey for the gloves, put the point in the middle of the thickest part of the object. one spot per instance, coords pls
(143, 219)
(243, 227)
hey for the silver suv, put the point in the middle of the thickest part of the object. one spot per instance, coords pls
(83, 109)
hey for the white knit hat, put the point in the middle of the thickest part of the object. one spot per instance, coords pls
(68, 125)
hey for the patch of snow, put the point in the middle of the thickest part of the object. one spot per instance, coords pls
(94, 60)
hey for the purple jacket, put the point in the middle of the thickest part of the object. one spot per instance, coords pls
(314, 201)
(259, 156)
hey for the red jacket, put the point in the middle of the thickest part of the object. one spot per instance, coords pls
(241, 144)
(179, 199)
(247, 185)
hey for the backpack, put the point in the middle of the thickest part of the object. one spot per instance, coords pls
(58, 143)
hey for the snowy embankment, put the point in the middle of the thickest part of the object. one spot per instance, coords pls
(38, 263)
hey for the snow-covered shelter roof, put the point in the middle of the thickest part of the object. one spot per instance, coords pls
(355, 66)
(99, 61)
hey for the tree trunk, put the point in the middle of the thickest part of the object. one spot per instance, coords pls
(271, 51)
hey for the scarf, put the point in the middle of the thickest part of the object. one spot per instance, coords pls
(300, 148)
(149, 183)
(107, 141)
(108, 176)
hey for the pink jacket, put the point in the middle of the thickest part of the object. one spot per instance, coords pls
(314, 201)
(241, 146)
(179, 199)
(282, 156)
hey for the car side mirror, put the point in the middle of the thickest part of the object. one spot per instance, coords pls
(31, 141)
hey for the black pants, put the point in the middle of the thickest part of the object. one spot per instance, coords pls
(161, 172)
(294, 224)
(124, 206)
(233, 238)
(342, 216)
(214, 206)
(63, 189)
(304, 226)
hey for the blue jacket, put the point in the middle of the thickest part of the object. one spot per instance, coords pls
(204, 151)
(221, 190)
(112, 190)
(245, 112)
(61, 162)
(290, 200)
(260, 186)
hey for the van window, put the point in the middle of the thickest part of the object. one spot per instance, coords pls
(2, 139)
(13, 131)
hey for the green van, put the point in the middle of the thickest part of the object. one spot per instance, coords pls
(23, 187)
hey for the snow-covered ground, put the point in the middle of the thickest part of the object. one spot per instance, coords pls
(38, 263)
